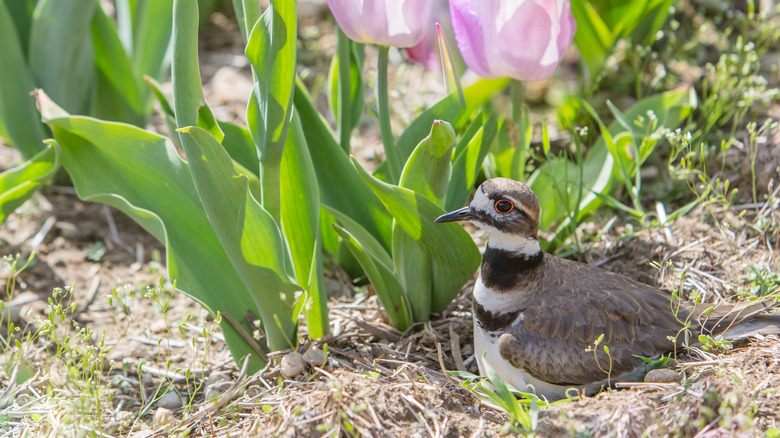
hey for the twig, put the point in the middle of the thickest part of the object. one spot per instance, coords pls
(456, 353)
(441, 363)
(644, 385)
(40, 236)
(261, 350)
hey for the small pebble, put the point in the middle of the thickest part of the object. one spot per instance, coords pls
(218, 377)
(216, 390)
(253, 391)
(58, 374)
(314, 357)
(163, 417)
(170, 400)
(292, 365)
(147, 380)
(663, 375)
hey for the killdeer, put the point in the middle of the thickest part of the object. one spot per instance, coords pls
(537, 316)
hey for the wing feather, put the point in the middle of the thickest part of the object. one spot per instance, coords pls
(564, 319)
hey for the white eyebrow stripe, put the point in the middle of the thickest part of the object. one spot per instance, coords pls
(482, 203)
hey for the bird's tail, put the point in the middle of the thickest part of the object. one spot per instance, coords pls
(738, 321)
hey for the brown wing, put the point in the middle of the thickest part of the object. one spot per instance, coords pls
(569, 312)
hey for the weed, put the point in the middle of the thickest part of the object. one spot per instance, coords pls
(594, 349)
(523, 413)
(761, 282)
(714, 344)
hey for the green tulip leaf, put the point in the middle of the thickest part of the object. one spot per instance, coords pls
(386, 285)
(61, 56)
(300, 207)
(341, 187)
(428, 169)
(450, 110)
(18, 183)
(454, 255)
(469, 155)
(20, 118)
(118, 93)
(248, 233)
(141, 174)
(188, 101)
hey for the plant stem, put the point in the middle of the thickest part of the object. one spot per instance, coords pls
(520, 155)
(516, 96)
(345, 90)
(383, 112)
(270, 175)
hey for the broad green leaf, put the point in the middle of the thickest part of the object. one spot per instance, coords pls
(341, 187)
(468, 162)
(167, 111)
(188, 101)
(238, 143)
(450, 110)
(414, 269)
(346, 88)
(300, 203)
(653, 18)
(593, 37)
(249, 235)
(454, 255)
(20, 12)
(149, 33)
(19, 183)
(427, 173)
(61, 56)
(117, 92)
(272, 51)
(368, 242)
(386, 285)
(428, 169)
(247, 13)
(20, 118)
(141, 174)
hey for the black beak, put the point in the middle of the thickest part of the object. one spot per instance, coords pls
(464, 214)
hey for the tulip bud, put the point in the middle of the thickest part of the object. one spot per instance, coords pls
(398, 23)
(521, 39)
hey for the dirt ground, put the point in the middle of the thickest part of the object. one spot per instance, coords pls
(376, 381)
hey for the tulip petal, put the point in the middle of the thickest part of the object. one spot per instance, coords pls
(531, 59)
(398, 23)
(346, 14)
(469, 33)
(522, 39)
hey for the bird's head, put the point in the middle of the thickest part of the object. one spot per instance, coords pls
(507, 210)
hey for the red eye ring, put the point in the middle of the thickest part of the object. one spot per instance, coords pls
(504, 206)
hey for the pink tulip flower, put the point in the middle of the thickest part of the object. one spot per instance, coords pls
(427, 51)
(521, 39)
(398, 23)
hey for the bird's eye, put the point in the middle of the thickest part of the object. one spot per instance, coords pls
(503, 206)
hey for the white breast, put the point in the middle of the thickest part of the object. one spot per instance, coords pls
(493, 301)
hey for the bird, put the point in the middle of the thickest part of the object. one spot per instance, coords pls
(541, 322)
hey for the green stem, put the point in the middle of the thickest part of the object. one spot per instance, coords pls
(270, 176)
(518, 117)
(394, 165)
(516, 96)
(345, 90)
